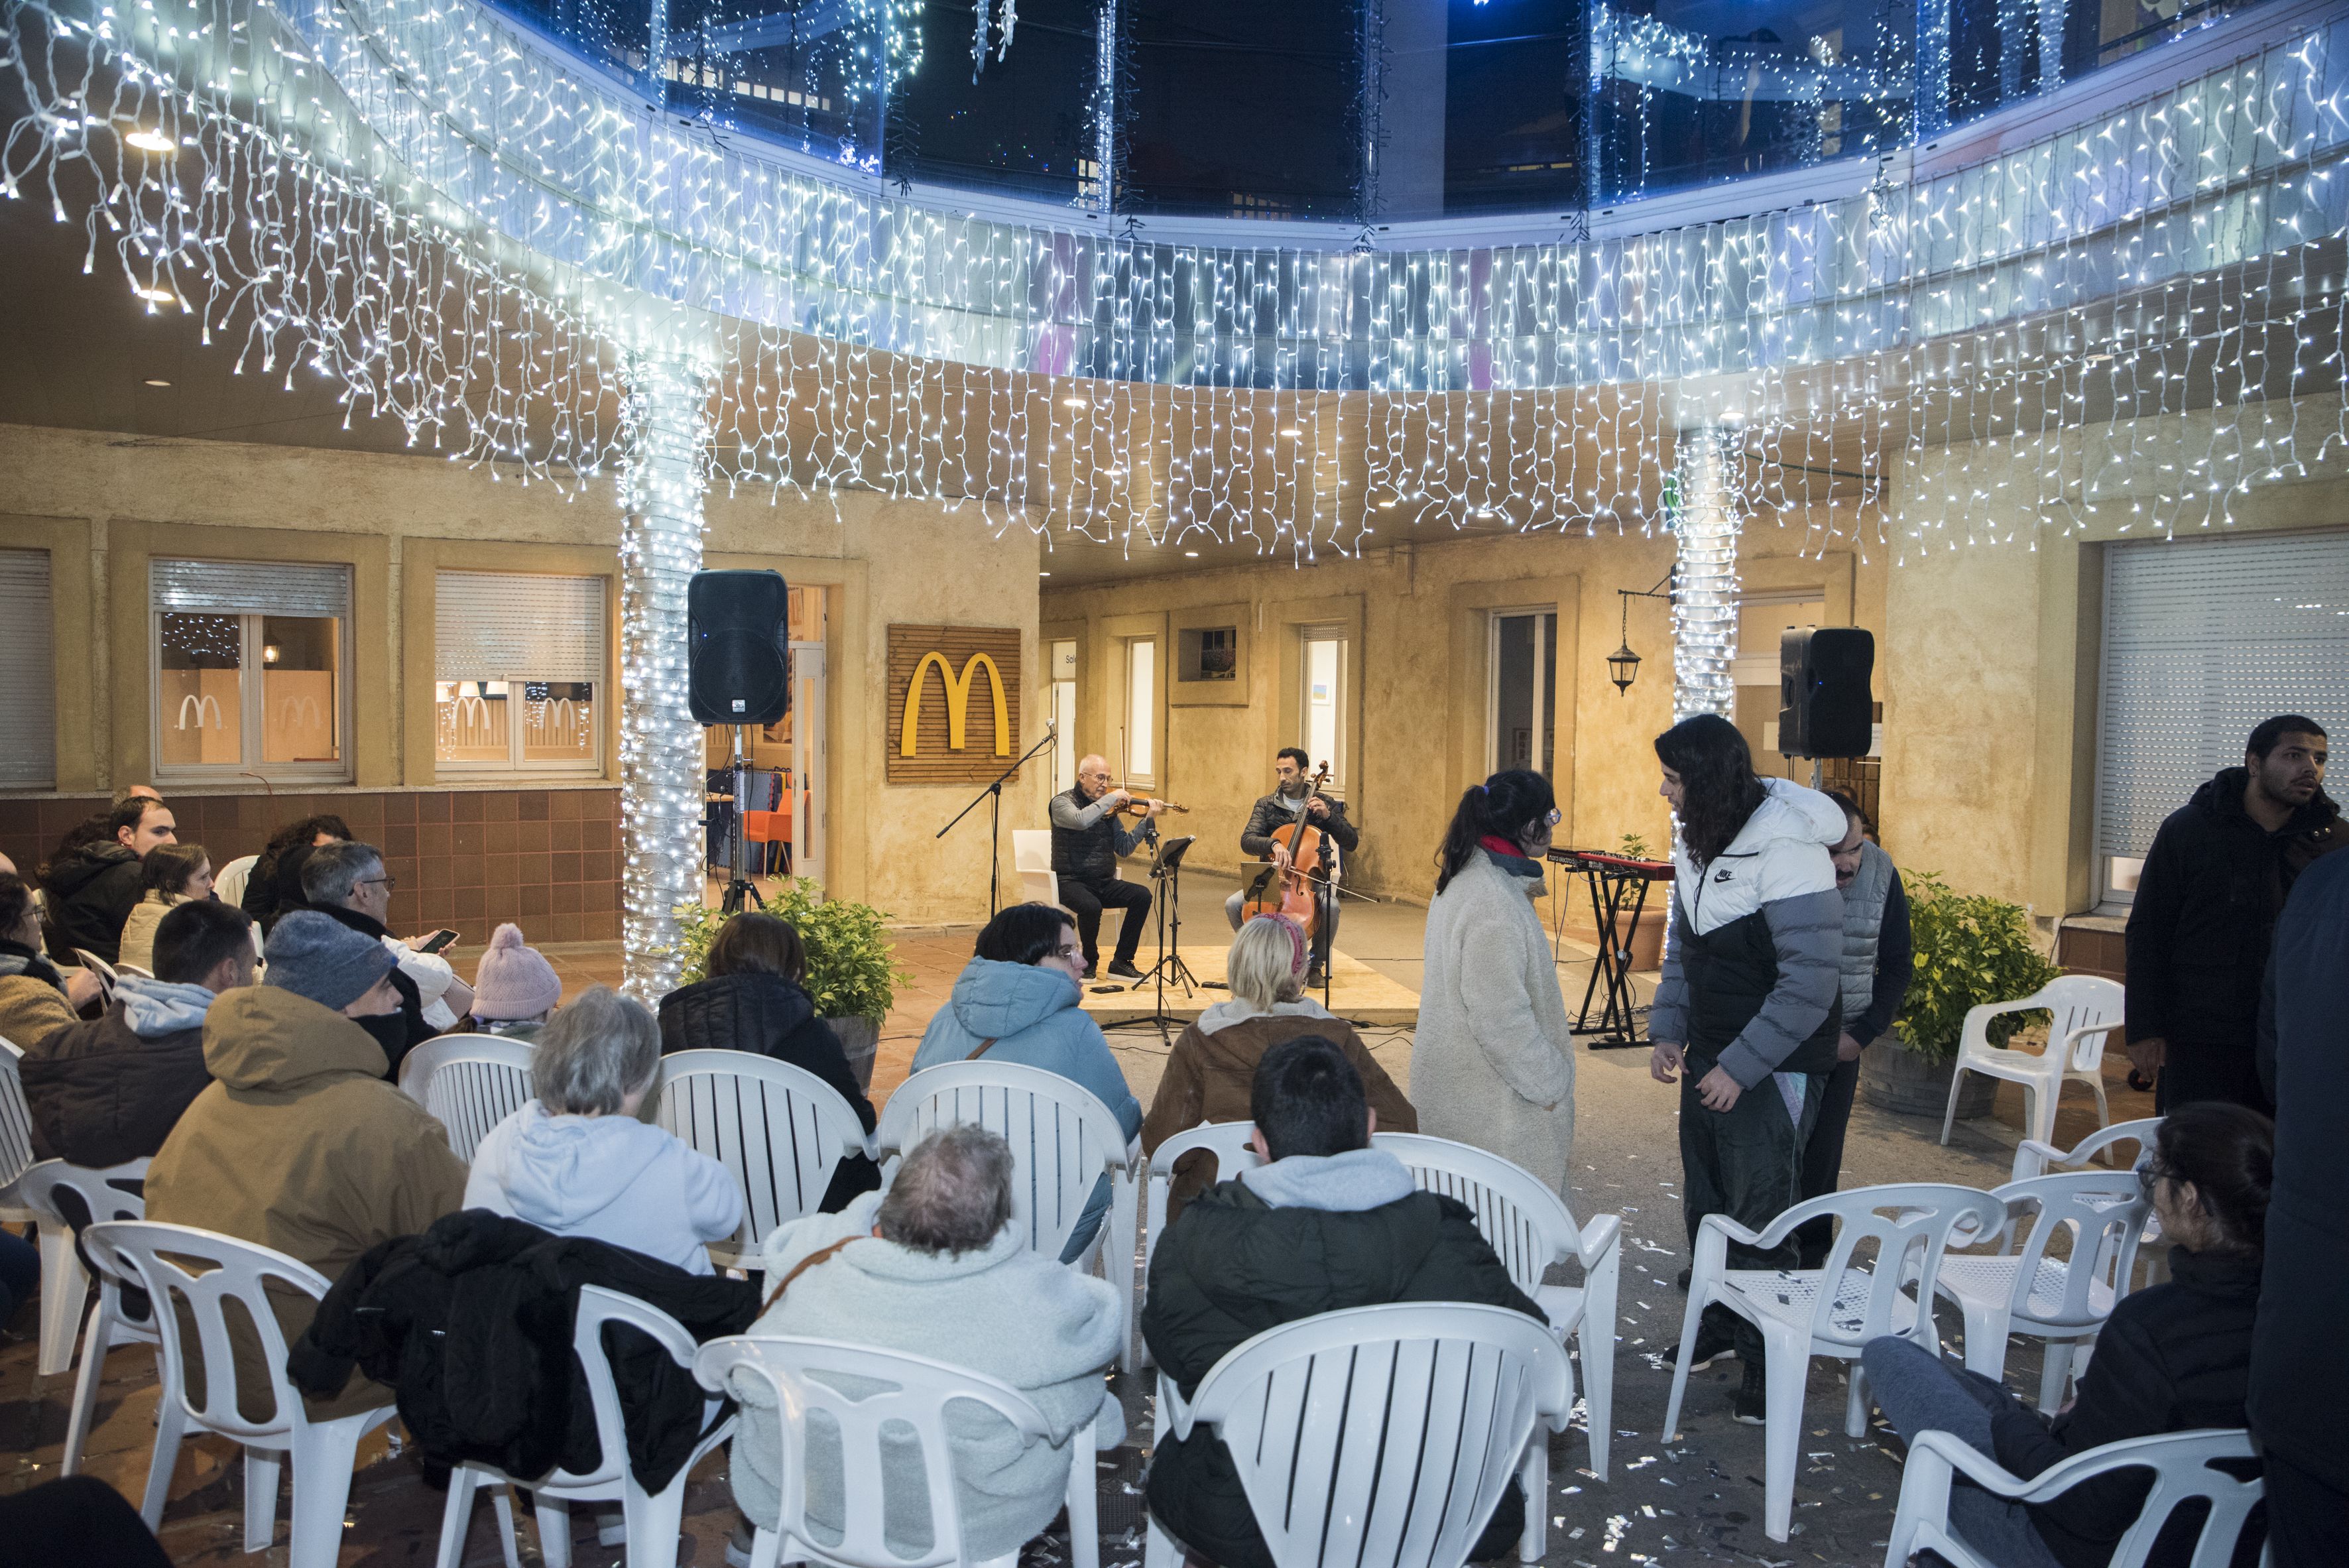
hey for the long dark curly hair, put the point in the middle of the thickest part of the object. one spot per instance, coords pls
(1716, 773)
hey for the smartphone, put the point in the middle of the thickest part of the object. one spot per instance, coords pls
(437, 941)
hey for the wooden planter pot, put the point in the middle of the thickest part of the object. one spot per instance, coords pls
(860, 1042)
(1896, 1078)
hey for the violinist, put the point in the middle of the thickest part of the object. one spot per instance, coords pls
(1293, 799)
(1086, 843)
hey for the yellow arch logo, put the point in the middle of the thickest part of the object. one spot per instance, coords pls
(957, 702)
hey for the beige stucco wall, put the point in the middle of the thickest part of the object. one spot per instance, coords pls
(103, 504)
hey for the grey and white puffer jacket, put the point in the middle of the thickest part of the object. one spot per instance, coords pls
(1752, 969)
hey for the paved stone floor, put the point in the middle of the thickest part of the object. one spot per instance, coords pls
(1694, 1500)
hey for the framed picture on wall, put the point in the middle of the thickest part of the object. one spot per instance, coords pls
(1210, 666)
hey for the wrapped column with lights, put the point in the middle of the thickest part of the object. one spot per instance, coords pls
(1705, 594)
(667, 428)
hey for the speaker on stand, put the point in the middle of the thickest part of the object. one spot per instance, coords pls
(1825, 708)
(738, 647)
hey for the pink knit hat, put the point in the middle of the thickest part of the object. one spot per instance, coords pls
(513, 981)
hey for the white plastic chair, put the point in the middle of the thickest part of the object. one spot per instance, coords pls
(1228, 1141)
(103, 1194)
(15, 1134)
(103, 969)
(1531, 1228)
(2181, 1467)
(1381, 1434)
(469, 1083)
(907, 1393)
(655, 1519)
(228, 882)
(1064, 1141)
(65, 1288)
(780, 1129)
(1834, 1310)
(122, 969)
(2063, 1301)
(323, 1453)
(2032, 1158)
(2086, 1009)
(1032, 857)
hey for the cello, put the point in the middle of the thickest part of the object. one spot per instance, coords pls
(1291, 889)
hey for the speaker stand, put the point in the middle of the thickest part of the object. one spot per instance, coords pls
(740, 892)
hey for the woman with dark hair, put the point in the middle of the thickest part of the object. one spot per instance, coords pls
(1017, 1001)
(2172, 1357)
(1748, 1003)
(274, 885)
(753, 1001)
(170, 875)
(1492, 1063)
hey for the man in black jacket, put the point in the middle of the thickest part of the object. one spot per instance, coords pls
(92, 886)
(1328, 1223)
(1293, 801)
(1086, 844)
(2207, 900)
(347, 883)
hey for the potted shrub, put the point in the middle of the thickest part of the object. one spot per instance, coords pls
(1971, 949)
(852, 976)
(1647, 943)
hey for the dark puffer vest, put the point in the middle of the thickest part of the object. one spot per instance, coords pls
(1088, 854)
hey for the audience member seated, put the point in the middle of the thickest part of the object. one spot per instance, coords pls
(169, 876)
(35, 998)
(112, 1089)
(347, 883)
(1017, 1001)
(274, 887)
(93, 884)
(753, 1001)
(577, 1161)
(300, 1144)
(1329, 1222)
(2172, 1357)
(934, 1267)
(1211, 1075)
(514, 987)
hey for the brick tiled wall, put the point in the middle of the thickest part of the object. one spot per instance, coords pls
(547, 860)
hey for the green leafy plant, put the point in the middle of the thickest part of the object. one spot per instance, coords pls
(1631, 847)
(1971, 949)
(852, 965)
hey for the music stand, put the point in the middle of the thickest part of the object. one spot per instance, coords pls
(1166, 871)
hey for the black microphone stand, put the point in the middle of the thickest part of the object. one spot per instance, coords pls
(993, 796)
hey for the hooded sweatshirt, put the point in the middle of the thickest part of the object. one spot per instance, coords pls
(91, 890)
(611, 1178)
(111, 1089)
(33, 1004)
(300, 1145)
(1032, 1015)
(999, 1310)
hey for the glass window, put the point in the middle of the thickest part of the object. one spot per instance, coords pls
(807, 76)
(1323, 704)
(249, 669)
(1022, 124)
(1064, 715)
(518, 667)
(1763, 618)
(1524, 666)
(1141, 709)
(1483, 107)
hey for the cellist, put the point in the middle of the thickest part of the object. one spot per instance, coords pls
(1293, 799)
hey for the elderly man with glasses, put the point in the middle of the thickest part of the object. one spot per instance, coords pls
(347, 883)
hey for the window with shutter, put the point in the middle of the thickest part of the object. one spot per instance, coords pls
(2203, 638)
(518, 668)
(250, 664)
(28, 718)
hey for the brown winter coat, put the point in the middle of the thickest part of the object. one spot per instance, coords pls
(300, 1145)
(1212, 1071)
(31, 1010)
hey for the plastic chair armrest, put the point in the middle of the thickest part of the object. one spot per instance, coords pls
(1172, 1409)
(1602, 1235)
(2032, 1158)
(1976, 1466)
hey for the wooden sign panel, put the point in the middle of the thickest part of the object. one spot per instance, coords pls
(953, 704)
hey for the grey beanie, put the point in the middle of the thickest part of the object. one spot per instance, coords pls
(317, 956)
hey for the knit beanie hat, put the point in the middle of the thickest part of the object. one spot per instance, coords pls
(315, 956)
(513, 981)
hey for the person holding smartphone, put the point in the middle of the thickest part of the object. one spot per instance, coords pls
(348, 882)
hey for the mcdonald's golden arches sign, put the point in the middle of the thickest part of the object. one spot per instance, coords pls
(954, 703)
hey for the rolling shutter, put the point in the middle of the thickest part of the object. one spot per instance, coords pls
(253, 587)
(499, 625)
(28, 726)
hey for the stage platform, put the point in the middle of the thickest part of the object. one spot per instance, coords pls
(1357, 992)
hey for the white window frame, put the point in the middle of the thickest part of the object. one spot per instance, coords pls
(516, 765)
(1062, 691)
(1136, 774)
(1339, 696)
(1543, 701)
(254, 721)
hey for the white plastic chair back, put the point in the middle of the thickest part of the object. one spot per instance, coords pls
(15, 1132)
(599, 1306)
(1525, 1223)
(1912, 1225)
(228, 882)
(96, 1196)
(1062, 1138)
(912, 1396)
(780, 1129)
(1032, 857)
(1380, 1435)
(2182, 1466)
(2032, 1158)
(469, 1083)
(101, 1194)
(2087, 1009)
(102, 968)
(2104, 1213)
(1228, 1141)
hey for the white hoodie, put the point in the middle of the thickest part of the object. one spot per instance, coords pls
(610, 1177)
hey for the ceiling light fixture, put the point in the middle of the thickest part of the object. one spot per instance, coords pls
(150, 141)
(1044, 574)
(157, 296)
(1192, 554)
(153, 382)
(1292, 431)
(1074, 402)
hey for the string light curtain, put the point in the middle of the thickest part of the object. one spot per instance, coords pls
(1705, 524)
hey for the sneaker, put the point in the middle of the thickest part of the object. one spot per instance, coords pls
(1315, 980)
(1124, 970)
(1751, 1405)
(1711, 1344)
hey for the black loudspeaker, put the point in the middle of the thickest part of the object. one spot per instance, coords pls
(1825, 707)
(738, 638)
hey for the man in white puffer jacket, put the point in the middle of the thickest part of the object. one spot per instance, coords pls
(1748, 1002)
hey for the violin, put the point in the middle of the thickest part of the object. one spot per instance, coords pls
(1140, 806)
(1289, 889)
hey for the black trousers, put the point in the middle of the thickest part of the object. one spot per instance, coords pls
(1325, 920)
(1086, 900)
(2192, 1072)
(1823, 1156)
(1745, 1162)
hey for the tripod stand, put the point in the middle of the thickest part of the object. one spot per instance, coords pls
(740, 892)
(993, 796)
(1166, 871)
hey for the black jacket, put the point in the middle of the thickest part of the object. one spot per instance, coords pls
(101, 1095)
(275, 888)
(1234, 1267)
(2171, 1357)
(470, 1323)
(396, 1032)
(767, 1016)
(2204, 913)
(1256, 839)
(91, 892)
(2299, 1374)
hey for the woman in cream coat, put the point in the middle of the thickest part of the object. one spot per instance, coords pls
(1493, 1061)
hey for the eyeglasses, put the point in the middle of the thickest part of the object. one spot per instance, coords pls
(388, 882)
(1071, 952)
(1554, 817)
(2151, 1176)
